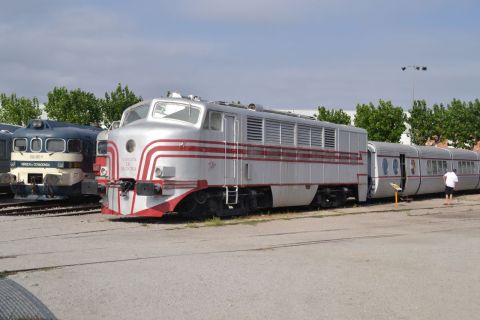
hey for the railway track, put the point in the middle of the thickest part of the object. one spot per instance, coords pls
(50, 209)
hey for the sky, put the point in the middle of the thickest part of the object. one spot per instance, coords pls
(289, 54)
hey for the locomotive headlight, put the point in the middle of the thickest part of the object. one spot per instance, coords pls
(130, 146)
(165, 172)
(7, 178)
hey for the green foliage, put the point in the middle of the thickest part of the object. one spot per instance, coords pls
(18, 111)
(334, 116)
(383, 123)
(422, 123)
(75, 106)
(116, 102)
(458, 122)
(461, 125)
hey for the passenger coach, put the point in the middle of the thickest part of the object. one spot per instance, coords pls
(418, 169)
(187, 155)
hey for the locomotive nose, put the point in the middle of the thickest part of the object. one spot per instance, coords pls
(139, 146)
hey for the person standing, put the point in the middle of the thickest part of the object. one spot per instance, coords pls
(450, 179)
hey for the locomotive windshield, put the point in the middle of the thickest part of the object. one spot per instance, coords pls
(20, 144)
(177, 111)
(55, 145)
(137, 113)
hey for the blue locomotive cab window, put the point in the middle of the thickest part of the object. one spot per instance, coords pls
(36, 145)
(20, 144)
(385, 166)
(176, 111)
(137, 113)
(74, 145)
(55, 145)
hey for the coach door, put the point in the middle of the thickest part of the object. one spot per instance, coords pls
(403, 172)
(231, 150)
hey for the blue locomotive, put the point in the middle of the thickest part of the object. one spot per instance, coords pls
(5, 150)
(50, 159)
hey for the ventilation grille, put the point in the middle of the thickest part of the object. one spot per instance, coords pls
(303, 136)
(330, 135)
(254, 129)
(288, 133)
(317, 135)
(272, 132)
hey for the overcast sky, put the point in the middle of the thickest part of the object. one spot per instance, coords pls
(282, 54)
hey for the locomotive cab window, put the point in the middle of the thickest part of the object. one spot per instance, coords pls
(55, 145)
(176, 111)
(74, 145)
(20, 144)
(213, 121)
(36, 145)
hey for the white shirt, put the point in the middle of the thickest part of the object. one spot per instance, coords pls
(450, 179)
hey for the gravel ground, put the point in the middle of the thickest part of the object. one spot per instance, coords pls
(419, 261)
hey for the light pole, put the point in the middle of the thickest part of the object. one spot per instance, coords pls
(415, 68)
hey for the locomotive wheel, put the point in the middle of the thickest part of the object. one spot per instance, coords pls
(340, 199)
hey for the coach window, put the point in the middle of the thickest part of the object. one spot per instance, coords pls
(74, 145)
(55, 145)
(20, 144)
(429, 167)
(413, 164)
(434, 167)
(395, 166)
(385, 166)
(36, 145)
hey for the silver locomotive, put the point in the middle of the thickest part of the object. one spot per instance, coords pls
(183, 154)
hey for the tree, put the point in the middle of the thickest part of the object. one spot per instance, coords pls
(75, 106)
(383, 123)
(440, 117)
(18, 111)
(422, 122)
(460, 124)
(334, 116)
(116, 102)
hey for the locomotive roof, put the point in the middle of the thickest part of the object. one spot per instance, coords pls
(250, 110)
(50, 128)
(5, 135)
(8, 127)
